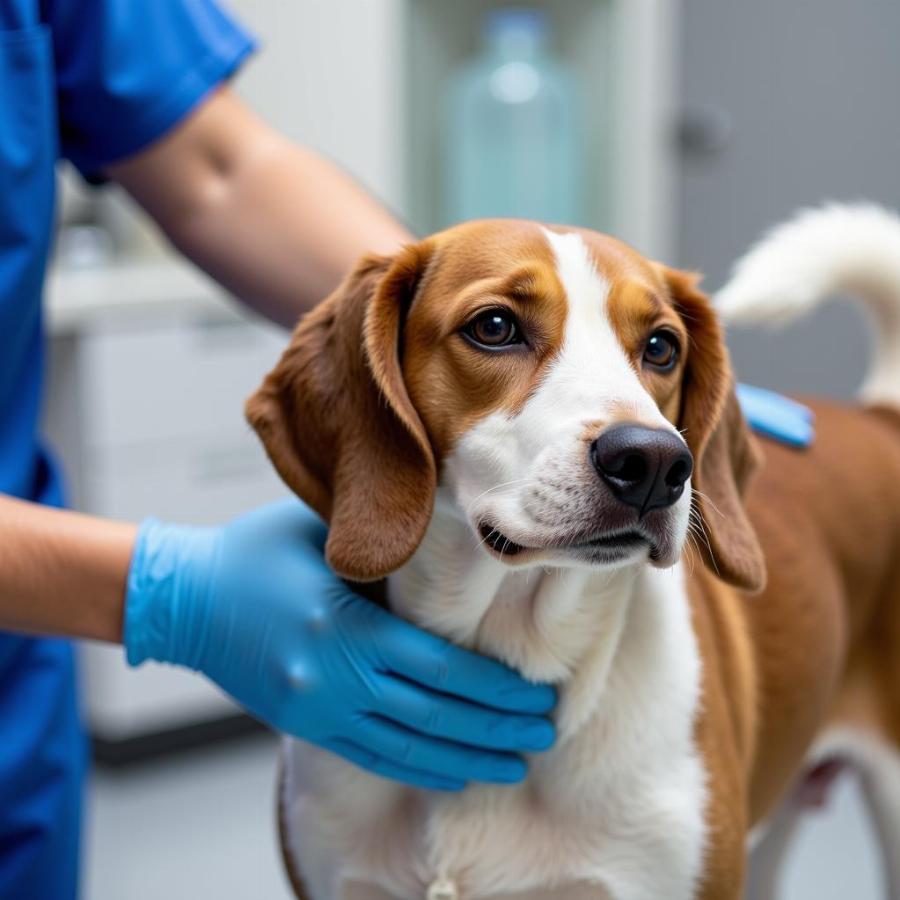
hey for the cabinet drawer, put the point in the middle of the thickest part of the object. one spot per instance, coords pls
(177, 381)
(195, 480)
(124, 703)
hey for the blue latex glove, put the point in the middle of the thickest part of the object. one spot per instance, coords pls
(254, 606)
(777, 416)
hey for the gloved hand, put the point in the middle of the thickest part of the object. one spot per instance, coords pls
(254, 606)
(777, 416)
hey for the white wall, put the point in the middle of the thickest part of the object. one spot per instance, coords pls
(328, 74)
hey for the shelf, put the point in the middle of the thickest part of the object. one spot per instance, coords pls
(130, 293)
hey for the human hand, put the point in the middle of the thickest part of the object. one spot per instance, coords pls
(254, 606)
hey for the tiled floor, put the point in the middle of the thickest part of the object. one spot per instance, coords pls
(201, 826)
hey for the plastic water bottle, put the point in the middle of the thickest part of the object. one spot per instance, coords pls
(512, 128)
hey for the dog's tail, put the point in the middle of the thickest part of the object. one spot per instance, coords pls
(820, 252)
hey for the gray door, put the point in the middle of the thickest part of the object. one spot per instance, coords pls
(786, 103)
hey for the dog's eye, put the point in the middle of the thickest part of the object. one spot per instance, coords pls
(661, 351)
(494, 328)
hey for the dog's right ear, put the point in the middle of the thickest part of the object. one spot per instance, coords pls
(337, 422)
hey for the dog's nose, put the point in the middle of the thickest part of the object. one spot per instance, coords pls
(646, 468)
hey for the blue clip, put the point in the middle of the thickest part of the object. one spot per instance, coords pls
(776, 416)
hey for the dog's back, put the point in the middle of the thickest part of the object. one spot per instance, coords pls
(831, 534)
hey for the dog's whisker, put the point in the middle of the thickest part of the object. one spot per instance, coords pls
(708, 499)
(689, 553)
(497, 487)
(698, 526)
(485, 538)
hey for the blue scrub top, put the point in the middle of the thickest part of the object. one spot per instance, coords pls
(93, 81)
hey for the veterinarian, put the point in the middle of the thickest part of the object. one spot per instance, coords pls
(136, 91)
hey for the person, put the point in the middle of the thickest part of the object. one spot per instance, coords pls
(136, 91)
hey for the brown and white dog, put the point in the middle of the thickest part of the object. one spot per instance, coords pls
(532, 433)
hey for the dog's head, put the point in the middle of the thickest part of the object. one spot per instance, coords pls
(571, 399)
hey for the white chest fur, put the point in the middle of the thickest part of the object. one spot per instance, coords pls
(619, 801)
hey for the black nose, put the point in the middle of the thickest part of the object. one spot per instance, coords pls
(644, 467)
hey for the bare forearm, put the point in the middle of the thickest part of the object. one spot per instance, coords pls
(62, 573)
(282, 241)
(275, 223)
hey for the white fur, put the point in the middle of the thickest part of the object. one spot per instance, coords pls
(820, 252)
(619, 801)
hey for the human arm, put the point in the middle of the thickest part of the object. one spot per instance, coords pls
(61, 572)
(142, 97)
(274, 222)
(253, 606)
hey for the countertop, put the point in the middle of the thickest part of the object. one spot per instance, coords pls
(132, 292)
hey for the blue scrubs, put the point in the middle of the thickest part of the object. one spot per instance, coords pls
(93, 81)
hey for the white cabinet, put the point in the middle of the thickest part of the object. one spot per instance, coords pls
(162, 428)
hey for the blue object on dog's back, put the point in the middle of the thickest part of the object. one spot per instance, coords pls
(776, 416)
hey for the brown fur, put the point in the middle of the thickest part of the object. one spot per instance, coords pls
(818, 645)
(377, 386)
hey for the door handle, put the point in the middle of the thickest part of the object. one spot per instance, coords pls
(705, 130)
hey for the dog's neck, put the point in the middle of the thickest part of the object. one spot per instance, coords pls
(558, 625)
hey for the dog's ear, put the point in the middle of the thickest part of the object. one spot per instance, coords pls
(725, 452)
(337, 422)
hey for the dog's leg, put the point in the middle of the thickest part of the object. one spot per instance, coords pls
(876, 759)
(287, 858)
(879, 767)
(768, 855)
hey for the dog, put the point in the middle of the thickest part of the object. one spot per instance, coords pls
(532, 433)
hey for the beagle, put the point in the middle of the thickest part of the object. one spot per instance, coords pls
(532, 433)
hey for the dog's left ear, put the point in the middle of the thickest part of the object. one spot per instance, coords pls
(725, 452)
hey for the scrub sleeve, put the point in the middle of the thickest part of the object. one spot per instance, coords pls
(93, 81)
